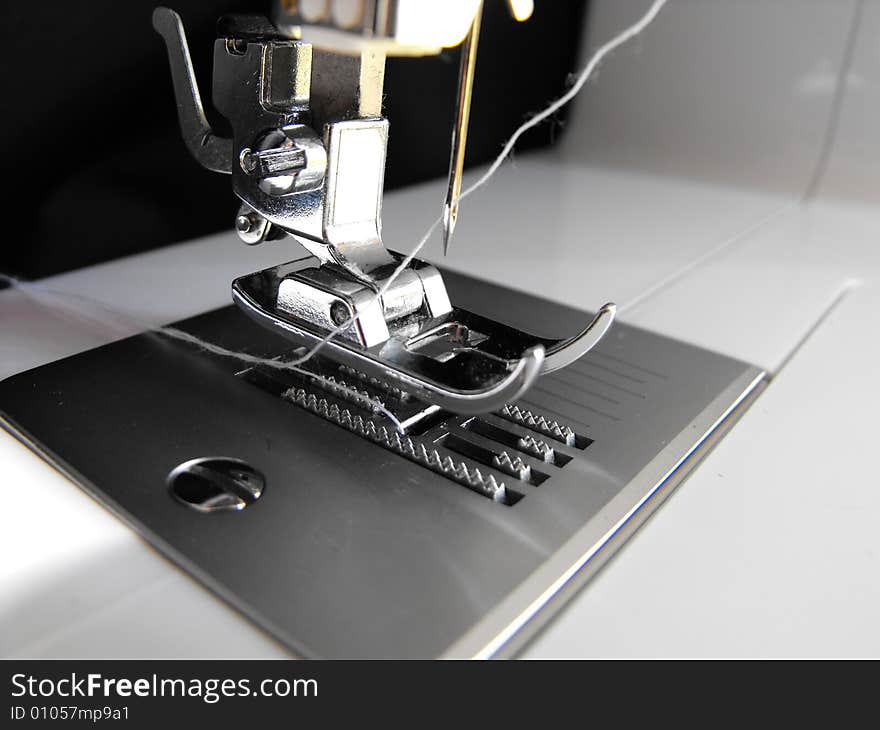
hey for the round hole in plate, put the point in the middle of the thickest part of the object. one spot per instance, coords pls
(216, 484)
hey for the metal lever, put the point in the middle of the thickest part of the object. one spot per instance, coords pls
(211, 151)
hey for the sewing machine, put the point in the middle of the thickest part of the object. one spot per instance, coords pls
(455, 459)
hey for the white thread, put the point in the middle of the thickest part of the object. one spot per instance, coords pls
(582, 78)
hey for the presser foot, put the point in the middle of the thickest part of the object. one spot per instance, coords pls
(456, 359)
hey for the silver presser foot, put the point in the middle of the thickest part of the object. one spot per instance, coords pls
(307, 159)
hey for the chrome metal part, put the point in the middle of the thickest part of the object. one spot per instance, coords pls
(346, 386)
(394, 420)
(346, 86)
(266, 137)
(325, 188)
(251, 227)
(564, 352)
(329, 197)
(537, 448)
(211, 151)
(287, 161)
(382, 385)
(406, 296)
(262, 86)
(460, 573)
(272, 161)
(328, 296)
(436, 297)
(458, 373)
(285, 76)
(541, 424)
(326, 299)
(514, 466)
(353, 194)
(486, 383)
(388, 438)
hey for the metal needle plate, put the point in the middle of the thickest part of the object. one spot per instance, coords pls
(356, 547)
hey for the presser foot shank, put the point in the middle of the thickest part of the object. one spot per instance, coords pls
(456, 359)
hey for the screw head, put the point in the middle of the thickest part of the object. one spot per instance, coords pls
(248, 160)
(251, 226)
(339, 313)
(243, 224)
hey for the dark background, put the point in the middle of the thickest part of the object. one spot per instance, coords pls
(95, 166)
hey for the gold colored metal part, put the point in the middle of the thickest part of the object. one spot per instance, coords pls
(459, 132)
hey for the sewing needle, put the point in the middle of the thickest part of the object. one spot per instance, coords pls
(459, 132)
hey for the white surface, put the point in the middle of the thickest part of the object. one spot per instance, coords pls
(730, 91)
(675, 193)
(853, 171)
(771, 548)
